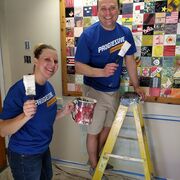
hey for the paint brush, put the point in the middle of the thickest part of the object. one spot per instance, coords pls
(125, 47)
(29, 84)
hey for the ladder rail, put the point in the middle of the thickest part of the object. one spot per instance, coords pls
(108, 147)
(129, 99)
(142, 138)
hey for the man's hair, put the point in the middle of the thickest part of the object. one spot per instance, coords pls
(39, 48)
(98, 4)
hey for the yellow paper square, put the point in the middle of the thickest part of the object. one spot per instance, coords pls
(157, 51)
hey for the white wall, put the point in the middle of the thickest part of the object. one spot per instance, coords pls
(38, 21)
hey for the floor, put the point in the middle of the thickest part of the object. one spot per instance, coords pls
(62, 172)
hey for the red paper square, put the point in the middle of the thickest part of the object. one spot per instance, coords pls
(169, 50)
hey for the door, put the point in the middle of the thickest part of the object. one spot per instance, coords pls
(3, 162)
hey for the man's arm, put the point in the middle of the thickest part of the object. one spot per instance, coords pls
(87, 70)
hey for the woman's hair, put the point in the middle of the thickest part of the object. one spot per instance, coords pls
(39, 48)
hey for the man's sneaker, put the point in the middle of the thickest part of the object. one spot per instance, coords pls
(92, 171)
(108, 166)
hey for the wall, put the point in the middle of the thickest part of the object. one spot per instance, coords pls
(38, 21)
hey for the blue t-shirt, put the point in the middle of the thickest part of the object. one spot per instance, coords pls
(98, 47)
(34, 137)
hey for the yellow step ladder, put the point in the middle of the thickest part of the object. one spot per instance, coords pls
(128, 99)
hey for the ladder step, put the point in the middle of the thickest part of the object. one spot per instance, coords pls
(126, 158)
(128, 138)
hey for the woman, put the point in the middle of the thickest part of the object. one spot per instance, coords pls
(30, 121)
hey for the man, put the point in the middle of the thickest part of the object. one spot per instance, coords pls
(97, 59)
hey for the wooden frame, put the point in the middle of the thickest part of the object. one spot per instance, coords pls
(3, 162)
(64, 65)
(63, 52)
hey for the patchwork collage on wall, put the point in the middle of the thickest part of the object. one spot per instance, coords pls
(155, 25)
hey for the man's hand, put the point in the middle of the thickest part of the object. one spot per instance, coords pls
(109, 69)
(141, 93)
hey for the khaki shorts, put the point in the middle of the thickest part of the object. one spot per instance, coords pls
(105, 109)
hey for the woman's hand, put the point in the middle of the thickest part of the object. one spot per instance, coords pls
(29, 108)
(67, 109)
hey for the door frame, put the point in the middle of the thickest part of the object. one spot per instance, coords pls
(3, 159)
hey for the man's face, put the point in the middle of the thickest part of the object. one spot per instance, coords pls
(108, 13)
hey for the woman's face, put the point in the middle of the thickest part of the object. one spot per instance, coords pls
(46, 65)
(108, 13)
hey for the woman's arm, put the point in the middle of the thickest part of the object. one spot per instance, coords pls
(11, 126)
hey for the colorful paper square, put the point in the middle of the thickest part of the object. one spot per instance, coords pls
(159, 28)
(94, 10)
(137, 19)
(87, 11)
(170, 39)
(147, 40)
(70, 51)
(146, 62)
(155, 71)
(78, 21)
(149, 19)
(169, 50)
(146, 51)
(70, 69)
(160, 18)
(173, 5)
(144, 81)
(178, 27)
(87, 21)
(69, 32)
(157, 51)
(126, 1)
(137, 29)
(87, 2)
(170, 28)
(69, 12)
(78, 11)
(69, 3)
(127, 19)
(160, 6)
(69, 41)
(78, 31)
(177, 50)
(70, 22)
(145, 71)
(149, 7)
(78, 3)
(138, 8)
(158, 40)
(138, 40)
(172, 17)
(70, 60)
(138, 51)
(148, 29)
(156, 61)
(167, 63)
(127, 8)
